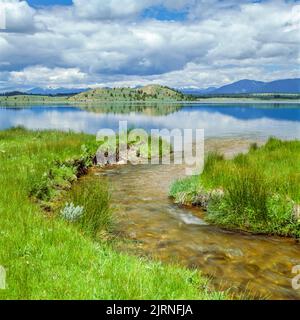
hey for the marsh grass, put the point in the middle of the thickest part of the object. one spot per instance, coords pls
(259, 190)
(47, 258)
(94, 197)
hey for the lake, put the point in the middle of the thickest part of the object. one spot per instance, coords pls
(257, 121)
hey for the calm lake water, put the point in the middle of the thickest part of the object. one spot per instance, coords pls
(249, 121)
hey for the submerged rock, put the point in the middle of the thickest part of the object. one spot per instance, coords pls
(132, 155)
(105, 159)
(203, 198)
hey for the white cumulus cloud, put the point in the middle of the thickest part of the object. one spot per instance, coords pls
(97, 42)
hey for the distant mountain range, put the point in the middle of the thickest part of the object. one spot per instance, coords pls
(198, 91)
(251, 86)
(284, 86)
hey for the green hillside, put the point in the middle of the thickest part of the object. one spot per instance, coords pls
(151, 93)
(147, 93)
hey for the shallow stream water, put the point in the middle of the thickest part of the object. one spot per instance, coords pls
(254, 265)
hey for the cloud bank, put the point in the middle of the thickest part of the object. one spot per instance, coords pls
(112, 43)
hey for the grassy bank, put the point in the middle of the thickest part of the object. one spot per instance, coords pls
(20, 100)
(48, 256)
(259, 98)
(28, 100)
(257, 192)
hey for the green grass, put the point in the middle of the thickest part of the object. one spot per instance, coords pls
(31, 99)
(94, 197)
(47, 257)
(258, 192)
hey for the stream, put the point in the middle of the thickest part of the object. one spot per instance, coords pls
(250, 265)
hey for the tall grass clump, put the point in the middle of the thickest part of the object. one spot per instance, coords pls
(258, 191)
(247, 193)
(93, 197)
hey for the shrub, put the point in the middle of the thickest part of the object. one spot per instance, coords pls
(72, 213)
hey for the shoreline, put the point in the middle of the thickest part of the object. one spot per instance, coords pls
(225, 102)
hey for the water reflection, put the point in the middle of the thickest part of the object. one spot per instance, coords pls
(217, 120)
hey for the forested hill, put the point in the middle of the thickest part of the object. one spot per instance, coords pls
(147, 93)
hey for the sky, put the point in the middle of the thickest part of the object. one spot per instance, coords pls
(178, 43)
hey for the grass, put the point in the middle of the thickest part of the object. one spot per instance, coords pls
(47, 257)
(257, 192)
(32, 99)
(94, 197)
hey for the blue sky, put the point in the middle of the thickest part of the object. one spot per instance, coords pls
(161, 13)
(49, 2)
(156, 12)
(179, 43)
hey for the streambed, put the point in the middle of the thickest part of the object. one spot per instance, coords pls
(251, 264)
